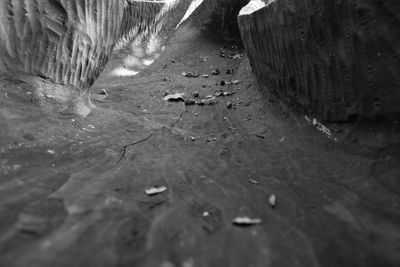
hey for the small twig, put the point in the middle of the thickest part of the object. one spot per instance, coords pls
(133, 144)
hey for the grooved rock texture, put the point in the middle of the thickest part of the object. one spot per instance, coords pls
(67, 41)
(70, 41)
(336, 58)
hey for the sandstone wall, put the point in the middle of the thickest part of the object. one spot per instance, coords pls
(67, 41)
(335, 58)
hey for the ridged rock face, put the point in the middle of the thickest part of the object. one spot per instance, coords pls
(66, 41)
(69, 41)
(334, 58)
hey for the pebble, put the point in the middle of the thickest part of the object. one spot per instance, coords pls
(229, 105)
(272, 200)
(216, 72)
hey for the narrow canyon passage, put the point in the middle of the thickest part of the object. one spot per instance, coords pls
(73, 190)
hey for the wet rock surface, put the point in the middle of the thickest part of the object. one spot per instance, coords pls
(73, 189)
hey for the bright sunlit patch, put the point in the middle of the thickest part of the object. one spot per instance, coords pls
(253, 6)
(147, 62)
(121, 71)
(193, 6)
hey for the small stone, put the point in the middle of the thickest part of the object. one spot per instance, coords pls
(191, 75)
(205, 76)
(196, 114)
(103, 92)
(218, 93)
(206, 213)
(228, 93)
(229, 105)
(216, 72)
(272, 200)
(193, 138)
(189, 102)
(230, 71)
(196, 94)
(235, 82)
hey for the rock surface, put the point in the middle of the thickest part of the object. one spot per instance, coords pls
(334, 58)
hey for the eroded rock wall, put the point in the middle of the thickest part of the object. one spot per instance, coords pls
(335, 58)
(69, 41)
(66, 41)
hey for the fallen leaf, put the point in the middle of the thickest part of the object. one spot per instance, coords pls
(252, 181)
(175, 97)
(155, 190)
(246, 221)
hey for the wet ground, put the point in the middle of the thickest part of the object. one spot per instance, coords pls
(72, 190)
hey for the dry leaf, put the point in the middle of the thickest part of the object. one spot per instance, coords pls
(246, 221)
(155, 190)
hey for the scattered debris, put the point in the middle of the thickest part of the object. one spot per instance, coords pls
(51, 151)
(228, 93)
(189, 102)
(218, 93)
(175, 97)
(208, 101)
(236, 56)
(260, 136)
(246, 221)
(166, 79)
(272, 200)
(196, 94)
(322, 128)
(252, 181)
(230, 71)
(229, 104)
(155, 190)
(190, 75)
(216, 72)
